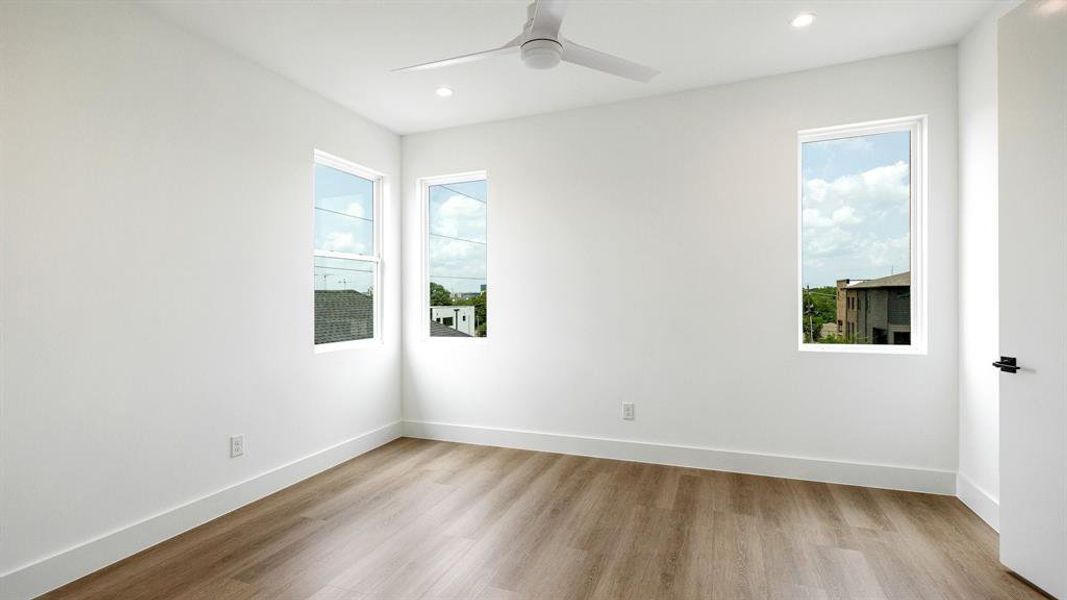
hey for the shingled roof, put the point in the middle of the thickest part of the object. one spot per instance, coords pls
(343, 315)
(441, 330)
(898, 280)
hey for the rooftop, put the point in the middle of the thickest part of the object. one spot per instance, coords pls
(343, 315)
(897, 280)
(441, 330)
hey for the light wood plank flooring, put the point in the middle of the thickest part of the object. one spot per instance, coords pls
(423, 519)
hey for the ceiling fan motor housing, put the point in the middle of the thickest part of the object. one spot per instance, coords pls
(541, 47)
(542, 53)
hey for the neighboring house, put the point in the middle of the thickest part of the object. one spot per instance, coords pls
(875, 311)
(343, 315)
(460, 318)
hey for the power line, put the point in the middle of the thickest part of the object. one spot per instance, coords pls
(343, 214)
(461, 193)
(458, 239)
(343, 269)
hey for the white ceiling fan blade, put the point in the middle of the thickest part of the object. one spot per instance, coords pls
(547, 18)
(509, 48)
(602, 61)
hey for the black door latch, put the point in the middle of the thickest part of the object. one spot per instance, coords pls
(1007, 364)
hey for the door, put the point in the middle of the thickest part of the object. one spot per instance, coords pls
(1032, 117)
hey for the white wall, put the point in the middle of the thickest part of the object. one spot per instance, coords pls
(686, 205)
(157, 296)
(978, 482)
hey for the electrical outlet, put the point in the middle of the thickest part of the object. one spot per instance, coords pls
(628, 411)
(237, 446)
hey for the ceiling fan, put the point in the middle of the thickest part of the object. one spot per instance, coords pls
(542, 47)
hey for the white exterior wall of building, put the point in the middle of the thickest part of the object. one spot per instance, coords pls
(463, 317)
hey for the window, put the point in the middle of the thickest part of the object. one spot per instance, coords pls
(456, 255)
(862, 202)
(347, 253)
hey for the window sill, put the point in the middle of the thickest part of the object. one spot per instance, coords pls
(475, 341)
(350, 345)
(862, 349)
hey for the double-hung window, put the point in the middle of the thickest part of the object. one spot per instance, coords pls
(456, 255)
(347, 254)
(862, 211)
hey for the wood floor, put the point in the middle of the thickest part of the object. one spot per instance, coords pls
(422, 519)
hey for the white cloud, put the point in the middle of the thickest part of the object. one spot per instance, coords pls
(456, 258)
(349, 204)
(355, 209)
(459, 216)
(856, 225)
(813, 219)
(338, 241)
(461, 254)
(462, 207)
(845, 215)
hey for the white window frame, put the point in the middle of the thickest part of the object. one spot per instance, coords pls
(424, 185)
(917, 126)
(378, 181)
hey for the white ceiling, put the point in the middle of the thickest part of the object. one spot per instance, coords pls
(345, 50)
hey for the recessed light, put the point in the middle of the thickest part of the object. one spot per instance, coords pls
(803, 20)
(444, 92)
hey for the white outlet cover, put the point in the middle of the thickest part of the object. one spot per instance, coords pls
(237, 446)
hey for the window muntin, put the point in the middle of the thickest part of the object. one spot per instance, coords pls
(457, 256)
(346, 264)
(861, 214)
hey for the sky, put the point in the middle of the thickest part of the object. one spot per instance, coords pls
(457, 221)
(856, 201)
(344, 222)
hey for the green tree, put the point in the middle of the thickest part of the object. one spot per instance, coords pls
(479, 303)
(819, 308)
(439, 296)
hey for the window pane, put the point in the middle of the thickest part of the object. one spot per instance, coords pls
(856, 242)
(344, 300)
(344, 212)
(341, 233)
(457, 259)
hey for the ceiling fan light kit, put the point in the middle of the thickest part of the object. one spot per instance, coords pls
(542, 47)
(541, 54)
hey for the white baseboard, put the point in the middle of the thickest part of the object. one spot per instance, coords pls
(49, 573)
(810, 469)
(978, 500)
